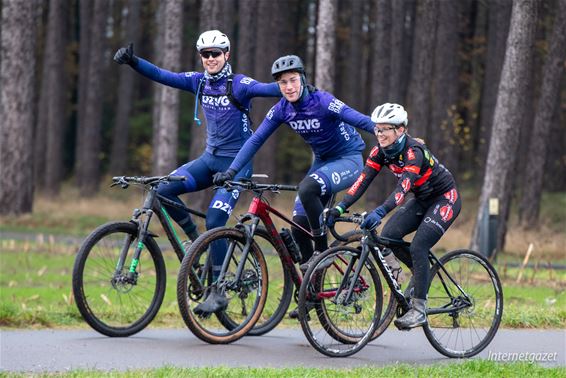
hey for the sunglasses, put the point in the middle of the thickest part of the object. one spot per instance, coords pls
(379, 131)
(208, 54)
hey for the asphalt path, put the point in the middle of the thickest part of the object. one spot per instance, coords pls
(63, 350)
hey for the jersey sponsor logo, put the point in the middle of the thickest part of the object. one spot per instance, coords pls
(235, 194)
(412, 168)
(245, 124)
(446, 213)
(374, 151)
(320, 181)
(189, 74)
(335, 105)
(246, 80)
(344, 132)
(406, 184)
(222, 206)
(305, 124)
(397, 171)
(399, 197)
(451, 195)
(354, 188)
(410, 154)
(270, 113)
(336, 178)
(216, 101)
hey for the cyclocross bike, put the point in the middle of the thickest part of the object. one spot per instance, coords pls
(265, 244)
(464, 301)
(119, 275)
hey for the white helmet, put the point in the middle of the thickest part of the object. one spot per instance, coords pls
(393, 114)
(213, 39)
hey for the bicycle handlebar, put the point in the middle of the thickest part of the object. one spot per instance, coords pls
(125, 181)
(358, 219)
(254, 186)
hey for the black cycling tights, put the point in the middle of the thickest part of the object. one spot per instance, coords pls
(430, 219)
(311, 198)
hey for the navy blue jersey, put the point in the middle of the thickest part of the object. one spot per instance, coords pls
(227, 127)
(322, 120)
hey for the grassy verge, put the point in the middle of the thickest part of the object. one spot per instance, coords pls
(474, 368)
(36, 291)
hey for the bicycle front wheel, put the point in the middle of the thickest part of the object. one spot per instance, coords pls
(246, 294)
(465, 304)
(118, 303)
(334, 324)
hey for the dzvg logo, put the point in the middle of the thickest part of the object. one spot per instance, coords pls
(222, 206)
(305, 124)
(216, 101)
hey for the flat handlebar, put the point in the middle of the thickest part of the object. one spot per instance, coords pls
(125, 181)
(254, 186)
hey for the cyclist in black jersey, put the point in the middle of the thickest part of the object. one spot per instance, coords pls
(434, 207)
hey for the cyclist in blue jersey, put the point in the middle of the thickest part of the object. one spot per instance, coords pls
(325, 123)
(225, 99)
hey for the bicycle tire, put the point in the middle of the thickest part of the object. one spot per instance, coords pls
(355, 236)
(339, 330)
(250, 293)
(278, 297)
(105, 300)
(478, 323)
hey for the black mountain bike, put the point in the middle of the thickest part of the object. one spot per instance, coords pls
(119, 275)
(464, 301)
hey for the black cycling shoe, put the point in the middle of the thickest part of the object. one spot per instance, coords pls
(294, 314)
(415, 317)
(215, 302)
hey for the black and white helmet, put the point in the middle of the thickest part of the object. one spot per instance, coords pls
(213, 39)
(287, 63)
(393, 114)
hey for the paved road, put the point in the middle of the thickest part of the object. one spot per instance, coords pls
(50, 350)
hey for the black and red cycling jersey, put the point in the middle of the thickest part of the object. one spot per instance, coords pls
(416, 168)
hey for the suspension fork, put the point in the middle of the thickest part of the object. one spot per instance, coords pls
(249, 232)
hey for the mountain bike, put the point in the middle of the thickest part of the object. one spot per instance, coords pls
(119, 274)
(464, 300)
(281, 280)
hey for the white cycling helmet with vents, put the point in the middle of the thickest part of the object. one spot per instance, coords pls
(213, 39)
(393, 114)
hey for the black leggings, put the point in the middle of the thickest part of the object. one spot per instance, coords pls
(431, 219)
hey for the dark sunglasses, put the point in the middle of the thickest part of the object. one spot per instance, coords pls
(208, 54)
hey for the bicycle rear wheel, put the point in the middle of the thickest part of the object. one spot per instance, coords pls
(461, 323)
(246, 296)
(334, 327)
(118, 304)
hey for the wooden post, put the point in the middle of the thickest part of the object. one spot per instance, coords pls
(525, 261)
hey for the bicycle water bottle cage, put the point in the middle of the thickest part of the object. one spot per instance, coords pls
(291, 245)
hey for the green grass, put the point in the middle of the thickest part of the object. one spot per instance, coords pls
(35, 282)
(471, 368)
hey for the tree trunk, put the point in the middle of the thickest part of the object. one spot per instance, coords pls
(85, 11)
(410, 12)
(89, 175)
(247, 20)
(396, 58)
(508, 117)
(168, 122)
(158, 45)
(17, 67)
(326, 45)
(419, 101)
(498, 30)
(442, 139)
(549, 95)
(119, 152)
(353, 86)
(57, 95)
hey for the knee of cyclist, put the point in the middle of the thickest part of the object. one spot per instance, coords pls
(309, 189)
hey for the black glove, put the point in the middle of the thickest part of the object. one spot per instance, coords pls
(220, 178)
(373, 219)
(125, 55)
(332, 214)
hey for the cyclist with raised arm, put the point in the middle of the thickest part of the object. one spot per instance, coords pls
(225, 99)
(434, 207)
(325, 123)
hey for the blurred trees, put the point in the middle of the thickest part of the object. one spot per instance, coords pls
(443, 60)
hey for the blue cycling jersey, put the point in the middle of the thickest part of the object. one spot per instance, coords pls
(322, 120)
(227, 127)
